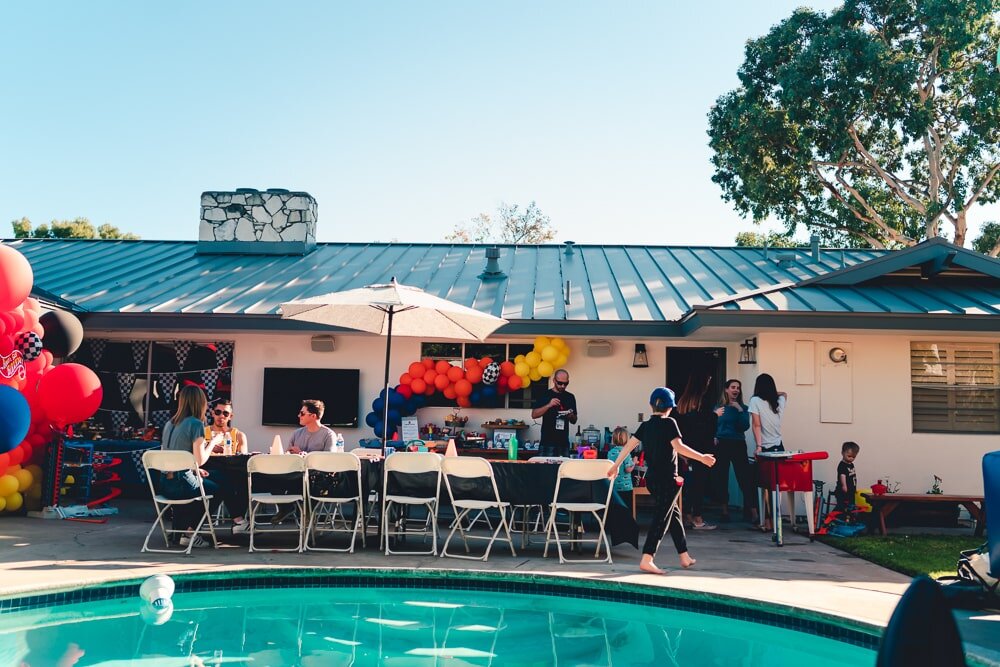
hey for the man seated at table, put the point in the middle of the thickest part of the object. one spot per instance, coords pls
(313, 436)
(221, 427)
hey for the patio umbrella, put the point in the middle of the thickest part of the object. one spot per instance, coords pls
(393, 310)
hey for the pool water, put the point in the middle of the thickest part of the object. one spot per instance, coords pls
(367, 626)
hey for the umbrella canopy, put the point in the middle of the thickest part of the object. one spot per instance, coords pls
(393, 310)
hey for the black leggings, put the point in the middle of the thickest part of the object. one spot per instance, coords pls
(666, 515)
(734, 451)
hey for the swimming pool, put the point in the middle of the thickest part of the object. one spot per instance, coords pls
(397, 618)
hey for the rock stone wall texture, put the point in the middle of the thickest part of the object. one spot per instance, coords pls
(251, 215)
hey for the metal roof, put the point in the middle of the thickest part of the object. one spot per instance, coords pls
(625, 283)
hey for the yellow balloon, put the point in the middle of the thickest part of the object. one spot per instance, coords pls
(559, 344)
(525, 381)
(535, 375)
(24, 479)
(519, 359)
(35, 491)
(14, 502)
(3, 503)
(8, 485)
(532, 359)
(545, 369)
(522, 368)
(549, 353)
(36, 471)
(541, 342)
(561, 361)
(70, 479)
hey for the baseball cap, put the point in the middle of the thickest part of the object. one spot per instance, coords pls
(662, 398)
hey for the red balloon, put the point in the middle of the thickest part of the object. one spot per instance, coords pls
(474, 375)
(18, 320)
(502, 382)
(430, 390)
(418, 385)
(441, 381)
(429, 376)
(16, 456)
(463, 401)
(4, 461)
(6, 322)
(507, 369)
(514, 382)
(69, 393)
(442, 366)
(449, 392)
(471, 363)
(455, 374)
(484, 362)
(27, 452)
(428, 363)
(15, 278)
(416, 370)
(405, 390)
(463, 388)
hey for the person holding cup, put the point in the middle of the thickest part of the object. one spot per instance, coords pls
(226, 440)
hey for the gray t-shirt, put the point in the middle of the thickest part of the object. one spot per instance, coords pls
(320, 441)
(770, 422)
(182, 436)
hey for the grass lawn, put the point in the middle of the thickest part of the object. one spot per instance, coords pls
(933, 555)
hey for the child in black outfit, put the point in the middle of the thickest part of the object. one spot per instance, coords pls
(847, 478)
(661, 441)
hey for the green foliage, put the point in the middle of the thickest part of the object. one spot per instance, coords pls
(933, 555)
(510, 225)
(758, 240)
(880, 121)
(988, 242)
(78, 228)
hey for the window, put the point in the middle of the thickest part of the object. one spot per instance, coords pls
(457, 352)
(955, 387)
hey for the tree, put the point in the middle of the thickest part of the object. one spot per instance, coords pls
(771, 239)
(988, 242)
(78, 228)
(509, 225)
(880, 120)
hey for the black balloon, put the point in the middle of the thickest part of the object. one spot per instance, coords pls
(63, 332)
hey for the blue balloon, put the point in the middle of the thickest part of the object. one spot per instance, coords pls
(378, 405)
(394, 417)
(489, 391)
(396, 399)
(419, 400)
(379, 430)
(381, 393)
(407, 408)
(371, 419)
(15, 418)
(475, 396)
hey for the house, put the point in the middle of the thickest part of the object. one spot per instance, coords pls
(898, 350)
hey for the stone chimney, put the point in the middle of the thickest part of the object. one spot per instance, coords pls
(251, 222)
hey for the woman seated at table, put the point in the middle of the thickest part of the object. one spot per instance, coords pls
(222, 426)
(186, 432)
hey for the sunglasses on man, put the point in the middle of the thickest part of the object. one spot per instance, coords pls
(219, 413)
(561, 384)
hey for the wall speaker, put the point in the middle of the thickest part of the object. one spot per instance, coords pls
(599, 348)
(323, 344)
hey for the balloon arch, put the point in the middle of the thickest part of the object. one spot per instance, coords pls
(475, 382)
(36, 396)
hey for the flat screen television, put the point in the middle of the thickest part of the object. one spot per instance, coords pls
(286, 388)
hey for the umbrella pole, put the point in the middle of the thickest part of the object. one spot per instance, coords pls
(385, 429)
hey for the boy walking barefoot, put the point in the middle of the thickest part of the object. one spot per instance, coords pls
(661, 441)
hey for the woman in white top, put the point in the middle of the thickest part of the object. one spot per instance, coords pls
(767, 407)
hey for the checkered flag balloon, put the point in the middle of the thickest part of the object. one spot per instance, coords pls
(491, 373)
(125, 383)
(140, 354)
(97, 346)
(210, 377)
(182, 348)
(30, 345)
(223, 354)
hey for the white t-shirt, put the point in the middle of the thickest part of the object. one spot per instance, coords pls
(770, 423)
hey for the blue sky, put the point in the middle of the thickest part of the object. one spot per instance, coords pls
(401, 118)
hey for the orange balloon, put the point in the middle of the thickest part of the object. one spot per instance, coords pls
(474, 375)
(429, 376)
(463, 388)
(449, 392)
(514, 382)
(507, 369)
(428, 363)
(416, 370)
(441, 381)
(484, 362)
(455, 374)
(430, 390)
(442, 366)
(405, 378)
(418, 385)
(471, 363)
(463, 402)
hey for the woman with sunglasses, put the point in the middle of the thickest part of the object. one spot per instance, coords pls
(222, 427)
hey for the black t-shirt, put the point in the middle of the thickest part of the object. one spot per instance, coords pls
(699, 427)
(845, 468)
(552, 434)
(656, 434)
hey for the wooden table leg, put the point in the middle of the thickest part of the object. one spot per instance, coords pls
(978, 514)
(884, 512)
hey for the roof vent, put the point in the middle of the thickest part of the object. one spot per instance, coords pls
(785, 259)
(814, 246)
(569, 247)
(492, 270)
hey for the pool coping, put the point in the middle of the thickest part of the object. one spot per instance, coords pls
(830, 626)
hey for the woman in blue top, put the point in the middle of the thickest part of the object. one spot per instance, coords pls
(731, 447)
(623, 482)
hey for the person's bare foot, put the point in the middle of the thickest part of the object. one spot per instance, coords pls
(647, 565)
(687, 561)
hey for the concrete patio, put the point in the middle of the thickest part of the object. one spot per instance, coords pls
(733, 560)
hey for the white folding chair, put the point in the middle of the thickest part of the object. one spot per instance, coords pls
(467, 467)
(276, 464)
(334, 463)
(411, 463)
(174, 462)
(580, 470)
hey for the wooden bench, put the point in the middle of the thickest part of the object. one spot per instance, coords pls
(886, 504)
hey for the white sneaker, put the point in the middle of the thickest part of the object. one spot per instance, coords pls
(241, 527)
(199, 542)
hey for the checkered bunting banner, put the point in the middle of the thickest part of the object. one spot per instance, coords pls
(119, 419)
(223, 352)
(140, 354)
(135, 456)
(159, 418)
(125, 383)
(97, 347)
(168, 382)
(182, 348)
(210, 377)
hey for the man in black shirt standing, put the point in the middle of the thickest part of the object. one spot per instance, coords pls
(557, 408)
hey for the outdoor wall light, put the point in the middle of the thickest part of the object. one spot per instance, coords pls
(838, 355)
(639, 359)
(748, 351)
